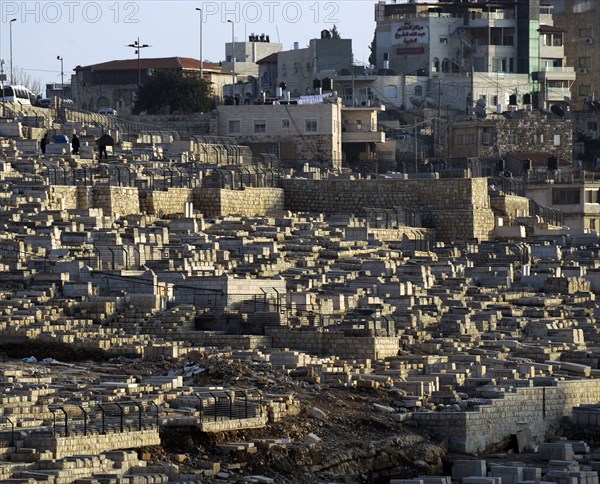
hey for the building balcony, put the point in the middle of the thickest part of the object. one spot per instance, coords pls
(372, 104)
(551, 73)
(363, 137)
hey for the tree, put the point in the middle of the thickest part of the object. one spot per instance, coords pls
(169, 92)
(373, 49)
(335, 34)
(23, 78)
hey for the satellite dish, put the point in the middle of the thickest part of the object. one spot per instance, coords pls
(480, 112)
(481, 103)
(557, 110)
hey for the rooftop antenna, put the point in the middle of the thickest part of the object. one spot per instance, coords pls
(277, 30)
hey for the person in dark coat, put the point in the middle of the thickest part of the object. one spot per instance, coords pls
(44, 142)
(75, 144)
(104, 141)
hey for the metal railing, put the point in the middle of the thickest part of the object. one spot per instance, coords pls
(229, 404)
(506, 186)
(103, 418)
(551, 216)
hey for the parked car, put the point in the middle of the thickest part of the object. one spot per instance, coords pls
(107, 111)
(45, 102)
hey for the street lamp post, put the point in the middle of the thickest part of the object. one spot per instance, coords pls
(62, 77)
(201, 61)
(232, 58)
(2, 79)
(12, 74)
(138, 47)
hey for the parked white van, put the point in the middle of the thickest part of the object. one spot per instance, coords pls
(108, 111)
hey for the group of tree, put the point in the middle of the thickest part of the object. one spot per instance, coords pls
(169, 92)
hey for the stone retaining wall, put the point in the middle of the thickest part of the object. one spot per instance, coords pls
(172, 201)
(538, 409)
(114, 201)
(459, 208)
(333, 343)
(511, 206)
(93, 444)
(250, 202)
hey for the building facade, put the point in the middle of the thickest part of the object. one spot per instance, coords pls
(114, 84)
(466, 39)
(295, 133)
(324, 57)
(520, 132)
(580, 21)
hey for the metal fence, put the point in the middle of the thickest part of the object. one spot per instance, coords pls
(229, 404)
(104, 417)
(507, 186)
(551, 216)
(7, 432)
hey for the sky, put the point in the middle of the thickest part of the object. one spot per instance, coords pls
(88, 32)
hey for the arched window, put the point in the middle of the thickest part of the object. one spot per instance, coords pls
(390, 91)
(435, 65)
(445, 65)
(103, 102)
(418, 90)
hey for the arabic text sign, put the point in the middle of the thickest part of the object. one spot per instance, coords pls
(409, 33)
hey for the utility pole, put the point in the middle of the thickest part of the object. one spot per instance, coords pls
(201, 61)
(416, 148)
(12, 73)
(138, 47)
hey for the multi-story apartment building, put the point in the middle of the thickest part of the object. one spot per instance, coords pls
(248, 53)
(580, 20)
(295, 133)
(324, 57)
(516, 42)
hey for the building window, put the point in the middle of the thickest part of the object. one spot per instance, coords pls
(557, 40)
(274, 149)
(283, 70)
(585, 89)
(539, 138)
(584, 6)
(565, 196)
(459, 139)
(593, 224)
(311, 126)
(390, 91)
(295, 68)
(585, 32)
(285, 124)
(443, 40)
(435, 66)
(445, 65)
(512, 138)
(557, 140)
(233, 126)
(418, 90)
(260, 126)
(584, 62)
(358, 124)
(487, 136)
(592, 196)
(499, 64)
